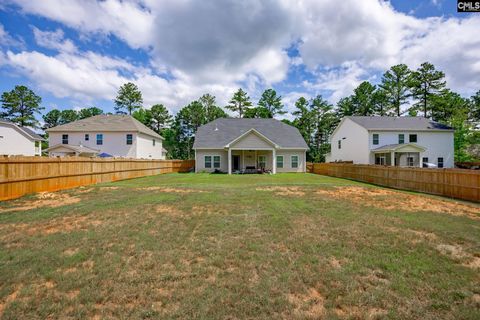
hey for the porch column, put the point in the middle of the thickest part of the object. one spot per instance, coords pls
(274, 160)
(392, 158)
(229, 161)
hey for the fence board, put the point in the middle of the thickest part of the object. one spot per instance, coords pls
(23, 175)
(455, 183)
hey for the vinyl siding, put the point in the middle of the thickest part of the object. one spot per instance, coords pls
(12, 142)
(200, 160)
(287, 164)
(252, 141)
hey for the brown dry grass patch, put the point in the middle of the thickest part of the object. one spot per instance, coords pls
(10, 298)
(393, 200)
(309, 305)
(457, 253)
(170, 190)
(58, 225)
(284, 191)
(43, 199)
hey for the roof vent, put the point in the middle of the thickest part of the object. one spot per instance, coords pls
(216, 128)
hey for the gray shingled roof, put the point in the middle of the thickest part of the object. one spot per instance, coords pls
(399, 123)
(27, 131)
(106, 123)
(229, 129)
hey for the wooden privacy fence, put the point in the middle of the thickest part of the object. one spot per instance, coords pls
(454, 183)
(23, 175)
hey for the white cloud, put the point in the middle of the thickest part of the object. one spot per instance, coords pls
(53, 40)
(128, 20)
(7, 40)
(217, 48)
(88, 76)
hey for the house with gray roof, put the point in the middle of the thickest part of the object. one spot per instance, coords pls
(106, 135)
(393, 141)
(18, 140)
(257, 145)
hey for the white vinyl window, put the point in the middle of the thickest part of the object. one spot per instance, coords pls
(294, 161)
(279, 161)
(216, 161)
(208, 161)
(64, 138)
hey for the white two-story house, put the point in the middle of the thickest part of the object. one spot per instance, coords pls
(18, 140)
(106, 135)
(394, 141)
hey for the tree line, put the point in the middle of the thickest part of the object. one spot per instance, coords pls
(401, 91)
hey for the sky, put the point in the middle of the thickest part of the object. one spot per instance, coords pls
(77, 53)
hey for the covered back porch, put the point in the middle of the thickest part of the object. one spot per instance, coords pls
(251, 161)
(400, 155)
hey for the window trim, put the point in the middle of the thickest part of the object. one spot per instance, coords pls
(129, 135)
(402, 140)
(64, 138)
(205, 162)
(291, 161)
(375, 140)
(215, 162)
(99, 138)
(283, 162)
(410, 137)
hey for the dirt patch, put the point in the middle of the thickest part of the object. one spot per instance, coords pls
(58, 225)
(9, 299)
(337, 263)
(415, 236)
(72, 294)
(170, 190)
(284, 191)
(168, 210)
(393, 200)
(355, 312)
(108, 188)
(374, 278)
(476, 300)
(457, 253)
(309, 305)
(43, 199)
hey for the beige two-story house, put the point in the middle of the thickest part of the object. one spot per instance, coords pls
(245, 145)
(106, 135)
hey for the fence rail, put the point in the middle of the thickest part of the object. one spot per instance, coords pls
(23, 175)
(455, 183)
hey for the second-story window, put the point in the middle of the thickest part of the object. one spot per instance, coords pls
(99, 139)
(87, 137)
(339, 144)
(412, 138)
(64, 138)
(376, 138)
(153, 142)
(401, 138)
(129, 138)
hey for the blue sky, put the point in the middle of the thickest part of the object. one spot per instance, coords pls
(77, 53)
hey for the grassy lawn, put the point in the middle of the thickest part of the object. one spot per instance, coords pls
(289, 246)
